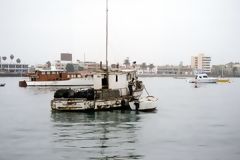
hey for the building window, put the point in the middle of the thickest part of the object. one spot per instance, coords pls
(116, 78)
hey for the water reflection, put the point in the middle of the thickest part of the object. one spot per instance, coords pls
(97, 135)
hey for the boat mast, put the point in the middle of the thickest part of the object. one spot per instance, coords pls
(107, 43)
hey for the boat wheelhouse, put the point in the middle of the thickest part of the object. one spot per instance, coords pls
(57, 78)
(203, 78)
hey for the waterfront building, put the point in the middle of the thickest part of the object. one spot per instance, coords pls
(91, 66)
(174, 70)
(228, 70)
(12, 69)
(201, 63)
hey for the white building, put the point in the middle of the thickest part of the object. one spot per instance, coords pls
(201, 63)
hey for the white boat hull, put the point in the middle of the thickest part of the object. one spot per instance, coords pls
(70, 82)
(208, 80)
(203, 78)
(148, 103)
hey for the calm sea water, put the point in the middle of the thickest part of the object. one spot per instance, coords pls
(190, 124)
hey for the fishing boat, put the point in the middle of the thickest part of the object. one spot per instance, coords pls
(112, 89)
(203, 78)
(57, 78)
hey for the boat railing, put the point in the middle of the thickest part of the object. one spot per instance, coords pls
(70, 99)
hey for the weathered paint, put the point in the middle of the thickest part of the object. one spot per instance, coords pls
(83, 105)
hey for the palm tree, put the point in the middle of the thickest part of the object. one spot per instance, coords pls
(18, 60)
(143, 66)
(48, 63)
(126, 62)
(11, 57)
(4, 58)
(70, 67)
(151, 66)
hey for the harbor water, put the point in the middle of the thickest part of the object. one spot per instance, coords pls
(189, 124)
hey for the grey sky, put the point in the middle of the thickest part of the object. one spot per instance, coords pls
(152, 31)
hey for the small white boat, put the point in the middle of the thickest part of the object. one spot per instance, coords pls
(148, 103)
(2, 84)
(203, 78)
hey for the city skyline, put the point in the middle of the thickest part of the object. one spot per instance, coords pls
(158, 32)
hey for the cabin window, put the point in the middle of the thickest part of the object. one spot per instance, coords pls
(68, 76)
(200, 76)
(204, 76)
(116, 78)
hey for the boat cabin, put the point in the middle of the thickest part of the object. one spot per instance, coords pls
(53, 75)
(116, 80)
(201, 76)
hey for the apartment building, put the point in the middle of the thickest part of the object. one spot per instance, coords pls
(201, 63)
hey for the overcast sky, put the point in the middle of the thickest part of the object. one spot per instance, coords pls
(152, 31)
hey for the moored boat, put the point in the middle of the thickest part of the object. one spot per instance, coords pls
(112, 89)
(203, 78)
(114, 92)
(57, 78)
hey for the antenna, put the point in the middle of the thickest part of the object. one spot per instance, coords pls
(107, 74)
(107, 35)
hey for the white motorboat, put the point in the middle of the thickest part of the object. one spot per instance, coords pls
(203, 78)
(148, 103)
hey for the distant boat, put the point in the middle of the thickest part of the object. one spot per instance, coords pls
(2, 84)
(57, 78)
(203, 78)
(223, 80)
